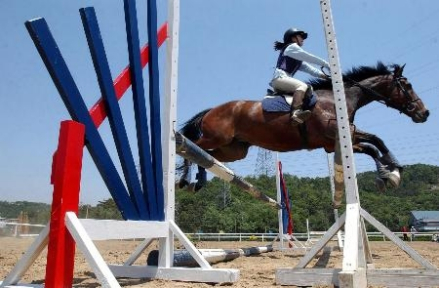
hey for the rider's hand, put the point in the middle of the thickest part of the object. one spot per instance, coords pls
(325, 75)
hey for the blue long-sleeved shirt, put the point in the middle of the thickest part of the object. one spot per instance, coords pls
(296, 52)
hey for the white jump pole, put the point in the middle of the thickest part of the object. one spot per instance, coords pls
(189, 150)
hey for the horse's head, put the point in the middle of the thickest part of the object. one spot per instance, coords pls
(399, 94)
(380, 84)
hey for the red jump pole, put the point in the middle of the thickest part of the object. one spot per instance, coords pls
(66, 178)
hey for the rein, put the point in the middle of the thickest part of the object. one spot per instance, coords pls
(396, 82)
(408, 107)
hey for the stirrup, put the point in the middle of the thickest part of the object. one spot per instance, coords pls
(299, 116)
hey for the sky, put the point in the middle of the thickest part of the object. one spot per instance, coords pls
(225, 54)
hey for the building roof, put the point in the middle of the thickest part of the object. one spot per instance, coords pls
(432, 215)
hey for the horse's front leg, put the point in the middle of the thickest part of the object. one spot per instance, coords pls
(388, 166)
(388, 158)
(374, 153)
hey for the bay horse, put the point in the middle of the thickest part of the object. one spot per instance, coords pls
(228, 130)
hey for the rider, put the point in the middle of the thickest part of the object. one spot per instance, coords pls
(292, 58)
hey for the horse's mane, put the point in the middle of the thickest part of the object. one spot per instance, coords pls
(357, 74)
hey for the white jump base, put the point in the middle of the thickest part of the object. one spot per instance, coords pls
(428, 276)
(84, 231)
(379, 277)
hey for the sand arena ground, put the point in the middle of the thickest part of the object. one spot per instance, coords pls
(255, 271)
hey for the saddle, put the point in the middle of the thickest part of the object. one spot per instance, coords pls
(279, 101)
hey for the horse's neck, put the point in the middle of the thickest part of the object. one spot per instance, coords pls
(357, 98)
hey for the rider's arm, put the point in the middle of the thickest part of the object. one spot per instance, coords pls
(296, 52)
(305, 67)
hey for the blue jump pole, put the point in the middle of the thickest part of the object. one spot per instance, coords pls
(154, 100)
(94, 38)
(63, 80)
(146, 153)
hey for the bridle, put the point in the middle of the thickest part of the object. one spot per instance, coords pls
(407, 107)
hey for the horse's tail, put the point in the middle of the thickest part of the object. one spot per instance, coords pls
(192, 128)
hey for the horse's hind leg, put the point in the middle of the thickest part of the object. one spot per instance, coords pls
(236, 150)
(185, 178)
(201, 178)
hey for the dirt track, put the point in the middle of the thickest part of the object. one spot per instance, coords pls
(256, 271)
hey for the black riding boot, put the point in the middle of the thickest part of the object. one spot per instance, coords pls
(298, 115)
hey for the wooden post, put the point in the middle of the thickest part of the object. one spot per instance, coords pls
(66, 176)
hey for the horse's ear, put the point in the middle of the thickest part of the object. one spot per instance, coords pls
(398, 71)
(402, 68)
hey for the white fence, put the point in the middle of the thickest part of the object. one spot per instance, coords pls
(16, 229)
(312, 236)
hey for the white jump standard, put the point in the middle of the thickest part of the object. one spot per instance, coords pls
(357, 268)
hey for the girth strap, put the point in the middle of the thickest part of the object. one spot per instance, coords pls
(303, 131)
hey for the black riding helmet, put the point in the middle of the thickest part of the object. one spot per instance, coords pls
(293, 32)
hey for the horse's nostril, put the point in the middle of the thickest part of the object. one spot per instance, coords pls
(427, 113)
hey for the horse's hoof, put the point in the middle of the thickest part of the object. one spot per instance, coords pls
(394, 178)
(336, 204)
(182, 183)
(191, 187)
(198, 186)
(381, 184)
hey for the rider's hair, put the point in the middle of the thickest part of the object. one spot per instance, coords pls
(280, 45)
